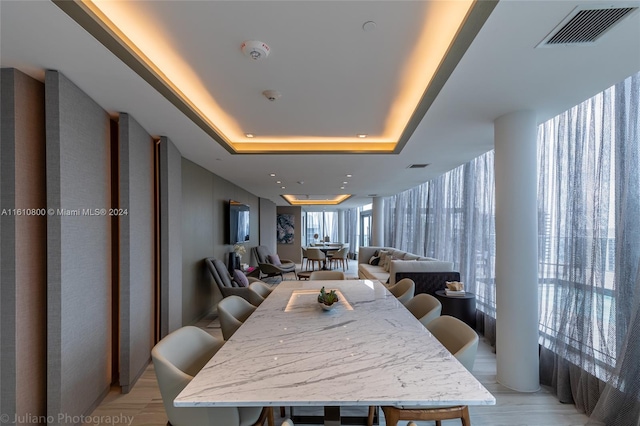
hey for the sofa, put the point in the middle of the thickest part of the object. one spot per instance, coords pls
(428, 273)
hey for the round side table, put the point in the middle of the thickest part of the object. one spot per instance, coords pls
(461, 307)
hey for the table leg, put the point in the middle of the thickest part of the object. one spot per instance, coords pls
(332, 416)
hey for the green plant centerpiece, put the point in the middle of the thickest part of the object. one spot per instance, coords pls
(327, 299)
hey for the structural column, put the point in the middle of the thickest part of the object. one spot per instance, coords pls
(516, 251)
(377, 222)
(341, 236)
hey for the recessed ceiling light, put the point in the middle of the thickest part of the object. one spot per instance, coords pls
(362, 135)
(283, 187)
(345, 182)
(278, 181)
(348, 175)
(272, 174)
(272, 95)
(250, 135)
(369, 26)
(342, 187)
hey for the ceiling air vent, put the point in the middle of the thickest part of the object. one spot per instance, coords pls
(417, 166)
(585, 25)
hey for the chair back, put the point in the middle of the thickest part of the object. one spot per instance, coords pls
(219, 272)
(233, 311)
(424, 307)
(261, 254)
(315, 254)
(176, 359)
(403, 290)
(304, 252)
(258, 292)
(459, 339)
(326, 275)
(341, 254)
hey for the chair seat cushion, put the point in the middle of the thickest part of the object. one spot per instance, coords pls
(240, 278)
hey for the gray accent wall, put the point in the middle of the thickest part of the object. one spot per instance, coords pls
(292, 251)
(170, 237)
(205, 197)
(268, 233)
(22, 247)
(78, 250)
(136, 227)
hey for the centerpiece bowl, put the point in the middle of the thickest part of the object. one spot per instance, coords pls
(327, 300)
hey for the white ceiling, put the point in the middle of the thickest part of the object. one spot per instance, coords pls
(501, 72)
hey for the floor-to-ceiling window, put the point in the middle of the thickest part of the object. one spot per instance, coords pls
(452, 218)
(321, 226)
(589, 204)
(589, 247)
(365, 228)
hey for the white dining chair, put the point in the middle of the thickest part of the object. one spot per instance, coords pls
(326, 275)
(233, 311)
(177, 358)
(462, 341)
(424, 307)
(403, 290)
(340, 256)
(315, 255)
(258, 291)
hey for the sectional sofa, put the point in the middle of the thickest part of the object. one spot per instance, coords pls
(428, 273)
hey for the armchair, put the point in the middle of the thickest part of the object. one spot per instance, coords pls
(223, 279)
(268, 267)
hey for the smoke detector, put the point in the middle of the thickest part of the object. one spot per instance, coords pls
(272, 95)
(255, 49)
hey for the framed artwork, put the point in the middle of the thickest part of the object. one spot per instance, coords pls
(286, 228)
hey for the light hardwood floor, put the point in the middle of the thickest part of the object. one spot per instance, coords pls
(541, 408)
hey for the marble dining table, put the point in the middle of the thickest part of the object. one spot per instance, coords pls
(367, 351)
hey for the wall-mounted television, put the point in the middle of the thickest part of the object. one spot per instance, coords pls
(239, 223)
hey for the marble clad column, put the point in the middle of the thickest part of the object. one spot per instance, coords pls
(516, 251)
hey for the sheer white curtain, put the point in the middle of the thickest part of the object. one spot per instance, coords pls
(351, 228)
(331, 225)
(452, 218)
(314, 226)
(589, 249)
(325, 224)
